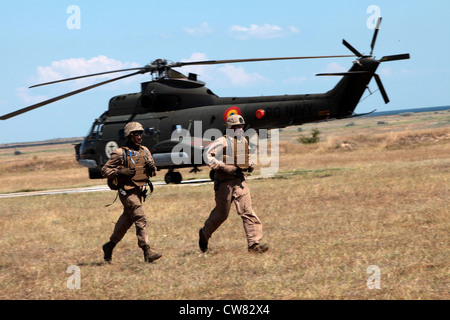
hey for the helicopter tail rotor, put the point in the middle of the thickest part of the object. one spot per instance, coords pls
(375, 34)
(381, 87)
(370, 56)
(351, 48)
(395, 57)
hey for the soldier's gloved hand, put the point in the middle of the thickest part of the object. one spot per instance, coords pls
(127, 171)
(250, 169)
(227, 168)
(150, 165)
(151, 168)
(238, 172)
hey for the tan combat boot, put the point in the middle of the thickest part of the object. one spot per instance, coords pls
(258, 248)
(149, 255)
(108, 250)
(202, 241)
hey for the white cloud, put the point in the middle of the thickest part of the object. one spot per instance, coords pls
(72, 67)
(239, 77)
(294, 80)
(198, 69)
(225, 75)
(265, 31)
(293, 29)
(335, 67)
(199, 31)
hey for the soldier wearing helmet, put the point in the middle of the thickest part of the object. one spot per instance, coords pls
(229, 157)
(133, 165)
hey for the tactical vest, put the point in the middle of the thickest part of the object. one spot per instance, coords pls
(236, 152)
(137, 159)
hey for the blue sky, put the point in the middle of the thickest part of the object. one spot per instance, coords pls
(43, 41)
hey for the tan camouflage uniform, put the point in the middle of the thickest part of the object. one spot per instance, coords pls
(224, 156)
(132, 178)
(131, 198)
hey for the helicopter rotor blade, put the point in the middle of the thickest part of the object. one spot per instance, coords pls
(86, 76)
(380, 86)
(377, 28)
(351, 48)
(348, 73)
(206, 62)
(63, 96)
(395, 57)
(152, 68)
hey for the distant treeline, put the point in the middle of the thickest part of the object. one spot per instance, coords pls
(417, 110)
(41, 143)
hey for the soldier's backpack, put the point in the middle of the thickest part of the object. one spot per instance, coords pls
(113, 183)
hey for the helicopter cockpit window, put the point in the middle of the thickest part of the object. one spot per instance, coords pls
(177, 127)
(96, 132)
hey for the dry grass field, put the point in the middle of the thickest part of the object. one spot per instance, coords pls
(375, 191)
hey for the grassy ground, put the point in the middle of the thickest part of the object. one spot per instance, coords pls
(367, 194)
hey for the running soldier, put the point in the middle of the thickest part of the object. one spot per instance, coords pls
(229, 157)
(133, 173)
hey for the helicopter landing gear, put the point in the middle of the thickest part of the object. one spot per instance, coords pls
(173, 177)
(195, 170)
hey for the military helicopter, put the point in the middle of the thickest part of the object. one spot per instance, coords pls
(172, 101)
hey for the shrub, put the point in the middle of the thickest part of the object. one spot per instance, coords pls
(314, 138)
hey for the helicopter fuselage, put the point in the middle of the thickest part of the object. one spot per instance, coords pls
(166, 105)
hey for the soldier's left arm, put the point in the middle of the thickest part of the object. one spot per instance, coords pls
(113, 165)
(149, 162)
(252, 151)
(148, 155)
(214, 152)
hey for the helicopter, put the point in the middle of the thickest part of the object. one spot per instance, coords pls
(172, 101)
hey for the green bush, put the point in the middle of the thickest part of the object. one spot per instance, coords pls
(314, 138)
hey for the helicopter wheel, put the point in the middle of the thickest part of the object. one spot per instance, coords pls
(173, 177)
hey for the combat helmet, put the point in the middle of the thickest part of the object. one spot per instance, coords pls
(132, 126)
(234, 120)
